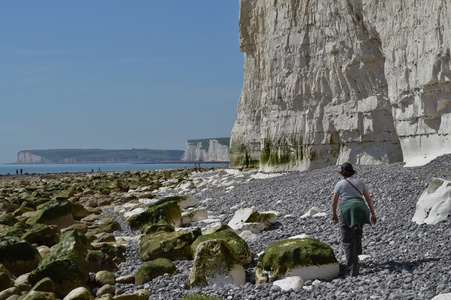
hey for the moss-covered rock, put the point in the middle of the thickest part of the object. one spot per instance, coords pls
(57, 213)
(98, 261)
(307, 258)
(36, 295)
(5, 278)
(163, 212)
(66, 271)
(171, 245)
(18, 230)
(80, 293)
(71, 242)
(216, 264)
(235, 241)
(154, 268)
(139, 295)
(109, 225)
(44, 285)
(152, 228)
(42, 234)
(199, 297)
(18, 255)
(113, 250)
(79, 211)
(8, 219)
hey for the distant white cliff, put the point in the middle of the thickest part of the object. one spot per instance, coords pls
(365, 81)
(215, 149)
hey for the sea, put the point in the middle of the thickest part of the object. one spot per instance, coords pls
(6, 169)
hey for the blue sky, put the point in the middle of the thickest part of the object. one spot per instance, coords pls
(116, 74)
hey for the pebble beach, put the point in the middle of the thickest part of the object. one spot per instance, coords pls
(402, 260)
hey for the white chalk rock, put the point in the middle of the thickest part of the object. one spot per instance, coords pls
(314, 212)
(248, 236)
(434, 204)
(251, 220)
(294, 283)
(446, 296)
(194, 216)
(133, 212)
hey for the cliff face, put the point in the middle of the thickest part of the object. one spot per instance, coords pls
(207, 150)
(365, 81)
(26, 157)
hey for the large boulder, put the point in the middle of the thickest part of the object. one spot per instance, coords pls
(216, 264)
(434, 204)
(251, 220)
(18, 255)
(194, 216)
(42, 234)
(71, 242)
(308, 258)
(161, 212)
(139, 295)
(154, 268)
(56, 213)
(235, 241)
(172, 245)
(98, 261)
(65, 264)
(68, 272)
(5, 278)
(80, 293)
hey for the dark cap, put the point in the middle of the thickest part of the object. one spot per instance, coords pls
(347, 167)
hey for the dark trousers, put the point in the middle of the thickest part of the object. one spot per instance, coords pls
(351, 239)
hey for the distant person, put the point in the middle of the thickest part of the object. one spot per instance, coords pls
(17, 172)
(21, 171)
(92, 170)
(354, 213)
(195, 167)
(198, 167)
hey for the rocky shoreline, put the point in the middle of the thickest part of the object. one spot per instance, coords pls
(403, 260)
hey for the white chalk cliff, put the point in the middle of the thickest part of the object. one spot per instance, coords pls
(207, 150)
(365, 81)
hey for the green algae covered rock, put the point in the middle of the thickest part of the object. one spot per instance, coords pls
(79, 211)
(235, 241)
(7, 219)
(66, 271)
(171, 245)
(307, 258)
(57, 213)
(139, 295)
(109, 225)
(162, 212)
(44, 285)
(154, 268)
(199, 297)
(152, 228)
(5, 278)
(18, 255)
(98, 261)
(80, 293)
(36, 295)
(65, 264)
(42, 234)
(71, 242)
(216, 264)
